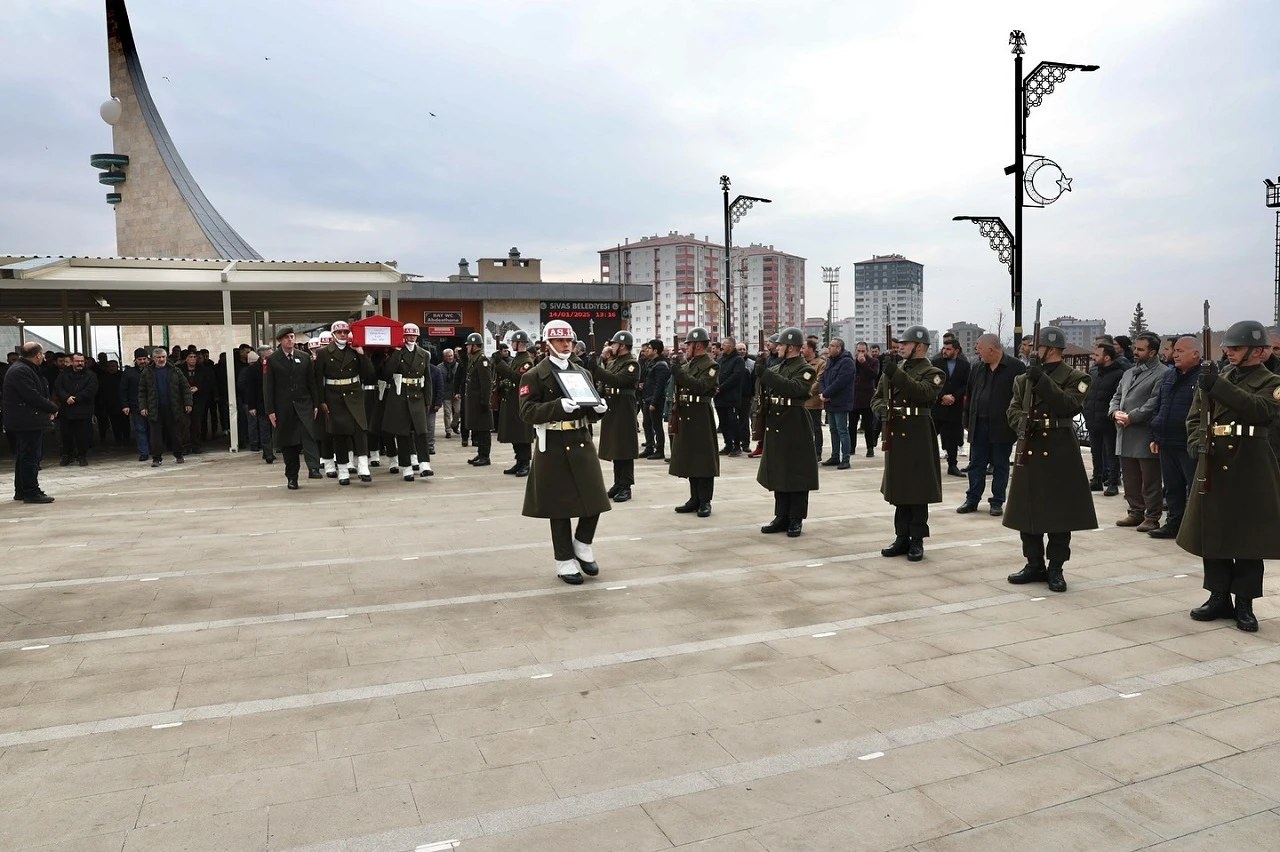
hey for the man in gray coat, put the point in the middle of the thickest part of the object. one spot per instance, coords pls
(1132, 407)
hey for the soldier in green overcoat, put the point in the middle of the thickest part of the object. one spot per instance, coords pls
(406, 403)
(564, 480)
(341, 372)
(511, 429)
(695, 453)
(1233, 516)
(617, 374)
(909, 384)
(788, 464)
(1049, 494)
(476, 414)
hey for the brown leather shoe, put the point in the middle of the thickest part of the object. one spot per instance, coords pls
(1148, 525)
(1130, 521)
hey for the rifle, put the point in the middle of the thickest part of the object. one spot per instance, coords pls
(887, 427)
(591, 338)
(673, 424)
(1205, 481)
(1029, 397)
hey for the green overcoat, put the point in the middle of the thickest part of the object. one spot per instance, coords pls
(617, 381)
(1049, 492)
(565, 480)
(788, 462)
(1240, 516)
(912, 474)
(406, 411)
(695, 451)
(347, 413)
(511, 429)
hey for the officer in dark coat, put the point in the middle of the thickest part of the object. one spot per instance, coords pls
(788, 464)
(1231, 519)
(1049, 494)
(617, 375)
(565, 480)
(694, 451)
(511, 429)
(909, 386)
(476, 412)
(406, 403)
(341, 372)
(948, 413)
(291, 398)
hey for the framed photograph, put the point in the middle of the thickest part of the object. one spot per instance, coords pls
(576, 385)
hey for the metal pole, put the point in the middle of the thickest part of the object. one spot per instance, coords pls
(1019, 146)
(66, 321)
(229, 331)
(1277, 310)
(728, 242)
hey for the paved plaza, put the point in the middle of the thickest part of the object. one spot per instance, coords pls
(194, 658)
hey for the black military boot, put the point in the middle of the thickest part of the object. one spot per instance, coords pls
(1245, 619)
(687, 507)
(622, 495)
(901, 545)
(1218, 606)
(1054, 576)
(523, 470)
(794, 529)
(704, 510)
(777, 525)
(516, 467)
(1029, 574)
(915, 550)
(614, 489)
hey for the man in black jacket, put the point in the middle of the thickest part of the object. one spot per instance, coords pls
(991, 438)
(1108, 367)
(728, 392)
(129, 402)
(948, 411)
(1169, 433)
(27, 414)
(654, 397)
(76, 391)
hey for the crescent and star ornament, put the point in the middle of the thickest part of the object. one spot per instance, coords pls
(1062, 182)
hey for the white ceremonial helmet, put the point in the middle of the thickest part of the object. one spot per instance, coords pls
(325, 338)
(410, 328)
(558, 330)
(340, 325)
(313, 344)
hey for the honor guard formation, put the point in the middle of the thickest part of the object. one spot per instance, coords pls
(1208, 429)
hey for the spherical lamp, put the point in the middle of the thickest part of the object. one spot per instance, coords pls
(111, 111)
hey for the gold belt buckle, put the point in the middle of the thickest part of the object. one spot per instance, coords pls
(1222, 430)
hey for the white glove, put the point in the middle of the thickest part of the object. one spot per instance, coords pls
(602, 408)
(569, 406)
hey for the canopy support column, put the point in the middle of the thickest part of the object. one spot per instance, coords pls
(233, 428)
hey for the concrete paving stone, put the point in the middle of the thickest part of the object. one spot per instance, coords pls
(854, 686)
(765, 737)
(324, 717)
(718, 659)
(247, 689)
(1055, 649)
(376, 736)
(245, 791)
(80, 687)
(1083, 826)
(112, 842)
(692, 687)
(273, 750)
(992, 795)
(627, 673)
(1001, 635)
(1020, 685)
(597, 702)
(265, 666)
(1124, 662)
(923, 627)
(615, 767)
(1253, 769)
(416, 763)
(1147, 753)
(1153, 707)
(624, 830)
(883, 823)
(542, 743)
(495, 658)
(890, 653)
(342, 815)
(1023, 739)
(914, 766)
(1184, 802)
(1252, 832)
(911, 708)
(961, 666)
(740, 841)
(651, 724)
(73, 780)
(70, 819)
(476, 792)
(48, 714)
(1245, 727)
(742, 708)
(243, 831)
(464, 724)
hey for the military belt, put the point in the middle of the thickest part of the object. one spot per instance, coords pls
(909, 412)
(565, 425)
(618, 392)
(368, 387)
(329, 381)
(685, 397)
(1053, 423)
(786, 400)
(412, 382)
(1241, 430)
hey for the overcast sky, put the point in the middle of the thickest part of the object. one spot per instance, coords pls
(564, 126)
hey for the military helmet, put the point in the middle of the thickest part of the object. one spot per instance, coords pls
(1053, 337)
(475, 339)
(1245, 333)
(558, 330)
(915, 334)
(698, 335)
(325, 338)
(625, 338)
(340, 325)
(791, 336)
(520, 337)
(411, 328)
(773, 338)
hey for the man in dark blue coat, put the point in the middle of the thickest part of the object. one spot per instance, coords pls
(836, 389)
(129, 381)
(1169, 433)
(28, 411)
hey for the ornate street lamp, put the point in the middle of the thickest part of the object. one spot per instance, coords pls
(1273, 200)
(733, 213)
(1029, 91)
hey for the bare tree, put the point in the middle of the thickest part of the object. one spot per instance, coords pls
(998, 329)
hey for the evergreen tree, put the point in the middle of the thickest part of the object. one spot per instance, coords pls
(1138, 324)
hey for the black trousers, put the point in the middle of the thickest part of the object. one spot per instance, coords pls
(659, 445)
(729, 428)
(951, 434)
(409, 445)
(326, 446)
(873, 431)
(1240, 577)
(562, 534)
(292, 463)
(524, 453)
(1102, 447)
(166, 433)
(28, 448)
(870, 429)
(815, 419)
(744, 423)
(343, 445)
(311, 450)
(483, 441)
(76, 435)
(646, 420)
(793, 505)
(1058, 551)
(701, 489)
(1178, 473)
(911, 521)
